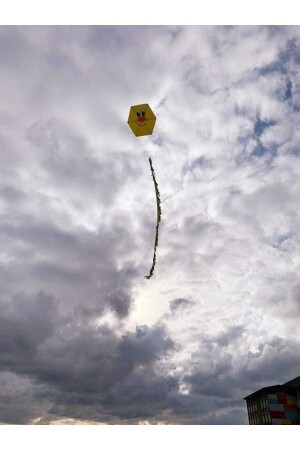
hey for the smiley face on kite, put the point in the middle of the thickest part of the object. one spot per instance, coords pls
(141, 120)
(141, 117)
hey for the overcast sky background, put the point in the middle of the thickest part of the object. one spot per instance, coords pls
(84, 337)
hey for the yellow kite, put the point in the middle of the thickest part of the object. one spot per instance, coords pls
(141, 120)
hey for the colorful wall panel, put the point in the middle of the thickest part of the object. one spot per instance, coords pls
(290, 407)
(286, 422)
(284, 409)
(276, 407)
(276, 422)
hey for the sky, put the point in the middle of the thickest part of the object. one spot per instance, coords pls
(84, 337)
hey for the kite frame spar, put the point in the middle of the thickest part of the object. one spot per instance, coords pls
(158, 209)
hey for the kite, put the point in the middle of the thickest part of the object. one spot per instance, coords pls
(141, 120)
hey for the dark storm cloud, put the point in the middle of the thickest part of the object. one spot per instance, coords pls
(24, 324)
(94, 361)
(71, 355)
(274, 362)
(276, 359)
(119, 301)
(145, 395)
(20, 400)
(236, 417)
(91, 373)
(58, 258)
(16, 409)
(213, 382)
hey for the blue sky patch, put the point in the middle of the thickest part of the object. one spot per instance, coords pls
(288, 92)
(261, 125)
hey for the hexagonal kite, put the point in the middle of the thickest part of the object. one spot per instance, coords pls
(141, 120)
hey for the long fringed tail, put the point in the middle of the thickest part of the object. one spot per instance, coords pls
(158, 220)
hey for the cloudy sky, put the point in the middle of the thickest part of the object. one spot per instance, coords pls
(84, 337)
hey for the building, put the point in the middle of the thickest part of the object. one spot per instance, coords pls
(275, 405)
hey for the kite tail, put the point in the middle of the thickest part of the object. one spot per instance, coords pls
(158, 209)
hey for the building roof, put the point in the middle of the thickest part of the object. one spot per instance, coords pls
(295, 382)
(286, 387)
